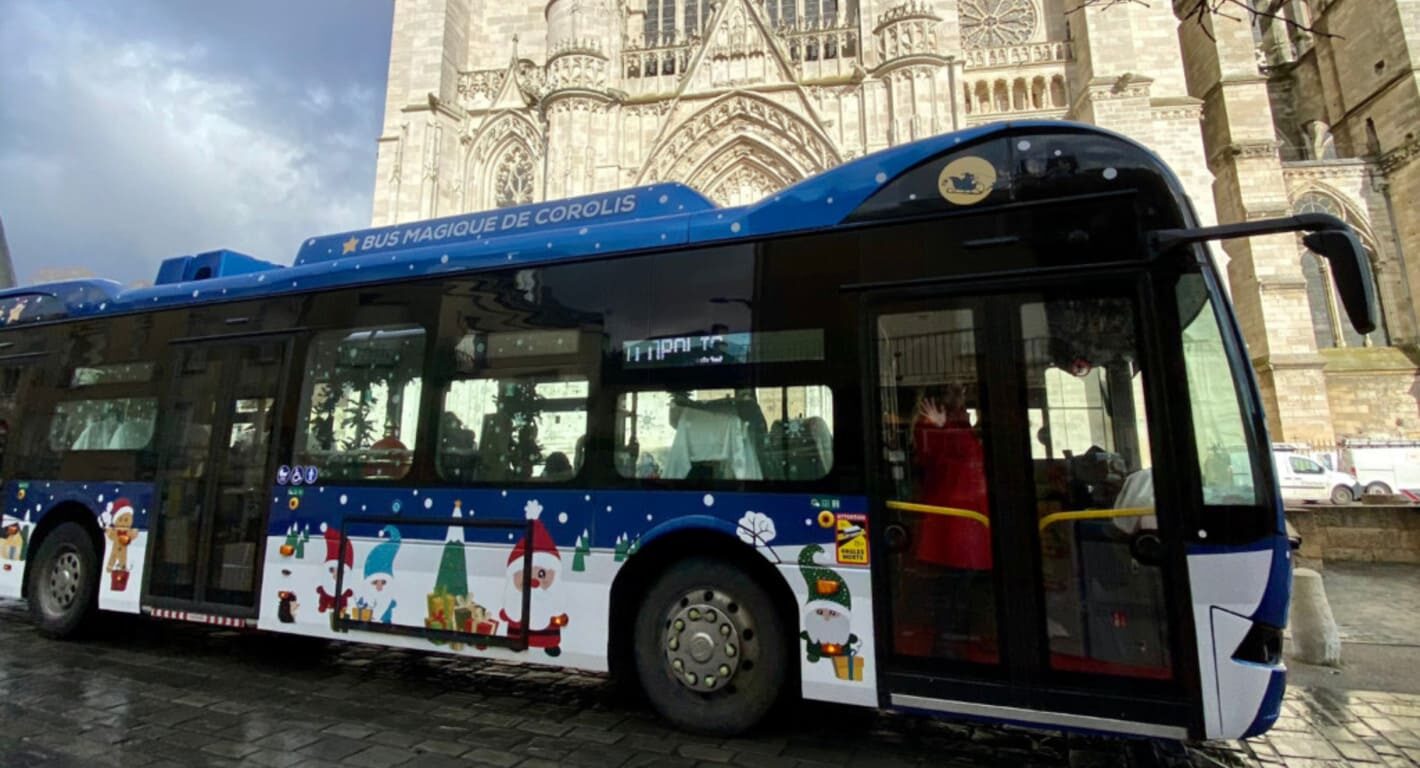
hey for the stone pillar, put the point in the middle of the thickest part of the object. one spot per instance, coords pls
(1269, 291)
(420, 138)
(1127, 75)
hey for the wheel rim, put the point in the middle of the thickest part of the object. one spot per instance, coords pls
(61, 584)
(708, 641)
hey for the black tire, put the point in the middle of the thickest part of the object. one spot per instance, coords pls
(1377, 488)
(1342, 494)
(63, 585)
(761, 655)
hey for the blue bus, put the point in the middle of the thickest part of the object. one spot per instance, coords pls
(963, 427)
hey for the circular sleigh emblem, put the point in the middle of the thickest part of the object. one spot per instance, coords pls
(966, 180)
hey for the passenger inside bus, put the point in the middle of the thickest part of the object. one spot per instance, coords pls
(715, 439)
(557, 467)
(458, 449)
(952, 548)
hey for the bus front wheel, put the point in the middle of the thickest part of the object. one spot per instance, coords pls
(63, 582)
(711, 650)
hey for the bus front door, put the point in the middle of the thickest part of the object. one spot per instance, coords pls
(214, 475)
(1019, 543)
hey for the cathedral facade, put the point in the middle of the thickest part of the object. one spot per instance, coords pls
(494, 103)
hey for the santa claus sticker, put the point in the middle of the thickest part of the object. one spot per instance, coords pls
(338, 553)
(546, 616)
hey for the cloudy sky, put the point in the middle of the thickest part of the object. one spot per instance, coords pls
(137, 130)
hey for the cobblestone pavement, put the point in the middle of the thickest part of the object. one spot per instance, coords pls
(168, 694)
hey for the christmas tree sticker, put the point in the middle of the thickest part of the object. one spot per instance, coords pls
(450, 582)
(581, 551)
(622, 548)
(295, 543)
(452, 577)
(635, 545)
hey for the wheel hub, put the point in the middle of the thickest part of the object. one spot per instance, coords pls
(705, 639)
(64, 578)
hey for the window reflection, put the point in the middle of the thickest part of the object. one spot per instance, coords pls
(1103, 584)
(1224, 452)
(360, 413)
(763, 433)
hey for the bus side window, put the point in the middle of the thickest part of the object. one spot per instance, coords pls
(513, 428)
(764, 433)
(516, 407)
(359, 416)
(9, 410)
(116, 424)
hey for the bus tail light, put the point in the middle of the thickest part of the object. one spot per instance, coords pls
(1261, 645)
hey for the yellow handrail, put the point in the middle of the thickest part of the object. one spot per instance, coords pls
(910, 506)
(1094, 514)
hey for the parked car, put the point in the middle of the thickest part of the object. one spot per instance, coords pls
(1303, 478)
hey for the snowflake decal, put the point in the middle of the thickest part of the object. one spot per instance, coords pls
(756, 529)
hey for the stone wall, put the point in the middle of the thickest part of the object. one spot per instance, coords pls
(1358, 533)
(1372, 391)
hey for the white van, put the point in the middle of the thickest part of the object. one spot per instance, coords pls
(1303, 478)
(1382, 466)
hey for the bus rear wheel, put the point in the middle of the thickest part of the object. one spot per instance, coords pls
(64, 582)
(711, 650)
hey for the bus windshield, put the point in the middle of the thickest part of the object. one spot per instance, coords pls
(1225, 452)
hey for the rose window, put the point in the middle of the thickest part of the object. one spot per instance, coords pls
(994, 23)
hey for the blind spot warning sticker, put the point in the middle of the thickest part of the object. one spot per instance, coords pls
(966, 180)
(851, 539)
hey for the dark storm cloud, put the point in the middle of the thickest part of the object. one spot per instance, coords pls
(136, 131)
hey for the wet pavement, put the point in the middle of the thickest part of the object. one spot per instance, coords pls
(149, 693)
(1375, 603)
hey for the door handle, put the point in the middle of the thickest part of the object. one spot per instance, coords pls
(895, 536)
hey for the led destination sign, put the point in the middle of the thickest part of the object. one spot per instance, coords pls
(724, 349)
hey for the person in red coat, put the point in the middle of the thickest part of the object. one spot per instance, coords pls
(952, 548)
(952, 474)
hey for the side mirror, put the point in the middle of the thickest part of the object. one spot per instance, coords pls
(1351, 269)
(1326, 235)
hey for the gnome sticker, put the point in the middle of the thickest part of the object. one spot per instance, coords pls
(379, 575)
(545, 615)
(828, 618)
(334, 556)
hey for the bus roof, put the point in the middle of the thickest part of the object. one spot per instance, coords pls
(640, 218)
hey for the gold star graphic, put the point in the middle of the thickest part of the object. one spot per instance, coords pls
(348, 246)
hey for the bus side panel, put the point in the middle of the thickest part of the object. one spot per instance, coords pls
(837, 659)
(121, 511)
(440, 574)
(1233, 587)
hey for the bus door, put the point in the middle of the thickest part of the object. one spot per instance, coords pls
(215, 472)
(1020, 549)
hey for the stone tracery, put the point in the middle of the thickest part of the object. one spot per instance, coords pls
(993, 23)
(779, 137)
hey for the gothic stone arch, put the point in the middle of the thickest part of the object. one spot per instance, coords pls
(503, 163)
(739, 143)
(1317, 197)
